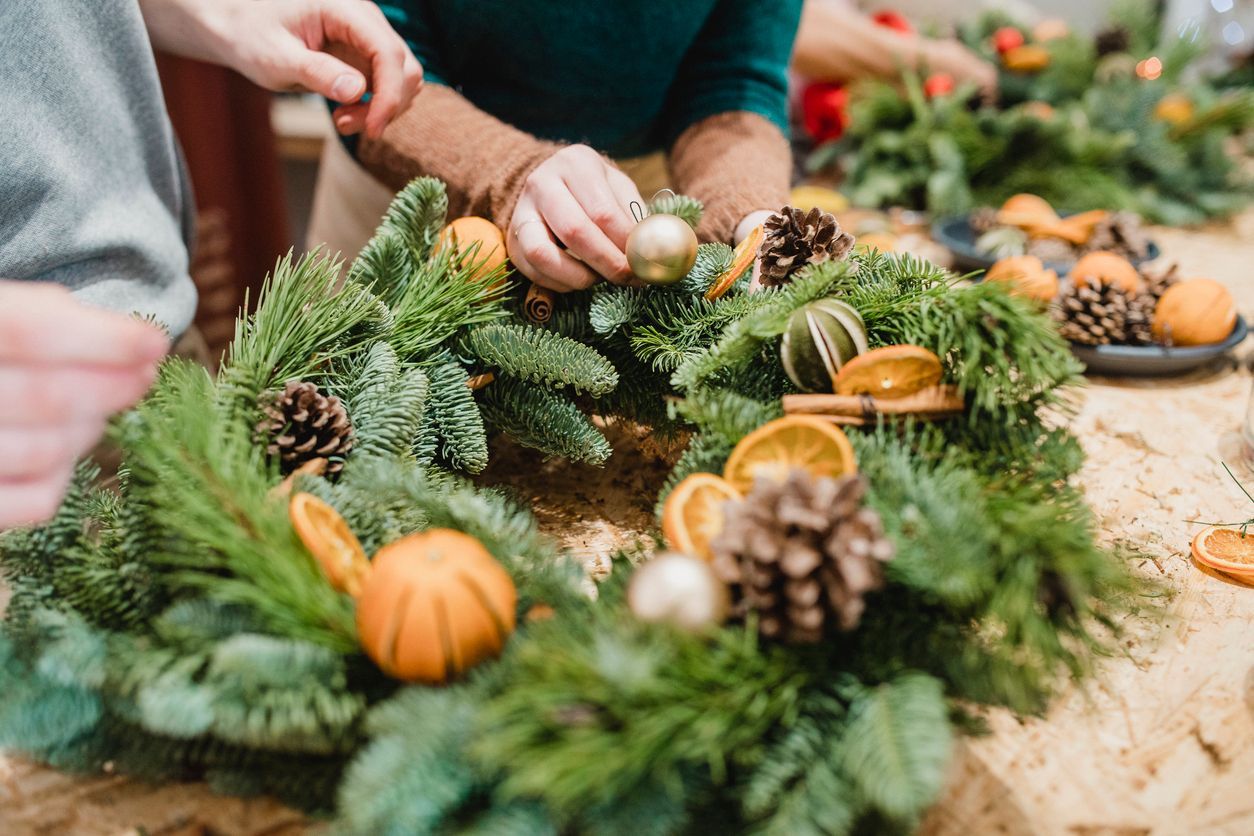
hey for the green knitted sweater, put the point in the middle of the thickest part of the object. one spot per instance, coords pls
(624, 76)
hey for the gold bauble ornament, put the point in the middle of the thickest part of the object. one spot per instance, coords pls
(662, 249)
(678, 589)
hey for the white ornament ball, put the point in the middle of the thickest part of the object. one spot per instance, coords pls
(678, 589)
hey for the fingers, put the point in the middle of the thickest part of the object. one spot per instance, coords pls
(394, 73)
(537, 256)
(43, 324)
(350, 119)
(29, 501)
(581, 233)
(328, 76)
(590, 185)
(35, 395)
(31, 452)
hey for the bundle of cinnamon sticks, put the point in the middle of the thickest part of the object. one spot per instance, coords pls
(929, 404)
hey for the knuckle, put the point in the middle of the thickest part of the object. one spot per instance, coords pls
(604, 215)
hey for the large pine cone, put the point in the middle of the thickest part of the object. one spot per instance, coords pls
(802, 554)
(795, 239)
(300, 424)
(1158, 281)
(1105, 315)
(1121, 233)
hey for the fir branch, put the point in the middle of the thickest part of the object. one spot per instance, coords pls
(416, 215)
(455, 416)
(614, 306)
(541, 357)
(543, 420)
(675, 327)
(725, 413)
(385, 265)
(387, 409)
(688, 208)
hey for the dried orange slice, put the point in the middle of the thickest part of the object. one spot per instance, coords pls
(1226, 550)
(332, 543)
(693, 513)
(894, 371)
(776, 448)
(742, 258)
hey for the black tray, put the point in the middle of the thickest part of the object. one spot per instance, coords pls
(959, 237)
(1154, 360)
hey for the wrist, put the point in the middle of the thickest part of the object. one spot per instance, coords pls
(198, 29)
(749, 222)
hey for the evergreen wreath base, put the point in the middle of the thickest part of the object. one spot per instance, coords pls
(174, 626)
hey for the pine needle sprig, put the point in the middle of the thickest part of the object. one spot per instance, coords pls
(444, 296)
(688, 208)
(454, 415)
(546, 421)
(540, 356)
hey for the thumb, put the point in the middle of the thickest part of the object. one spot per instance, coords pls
(329, 76)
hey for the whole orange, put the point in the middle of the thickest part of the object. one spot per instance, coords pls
(434, 605)
(1027, 276)
(1195, 312)
(1102, 268)
(464, 233)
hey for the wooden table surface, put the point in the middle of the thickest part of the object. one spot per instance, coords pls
(1161, 743)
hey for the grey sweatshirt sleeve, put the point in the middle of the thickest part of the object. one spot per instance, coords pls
(93, 191)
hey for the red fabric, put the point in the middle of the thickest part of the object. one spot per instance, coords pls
(223, 124)
(894, 21)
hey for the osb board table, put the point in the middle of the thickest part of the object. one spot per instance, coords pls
(1162, 743)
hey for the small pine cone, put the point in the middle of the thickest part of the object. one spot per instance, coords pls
(795, 239)
(1104, 315)
(1121, 233)
(301, 424)
(983, 220)
(1157, 281)
(1051, 250)
(1111, 40)
(802, 554)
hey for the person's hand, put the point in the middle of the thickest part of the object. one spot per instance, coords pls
(966, 67)
(64, 369)
(571, 222)
(341, 49)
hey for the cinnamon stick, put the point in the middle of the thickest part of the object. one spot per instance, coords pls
(479, 381)
(932, 402)
(538, 306)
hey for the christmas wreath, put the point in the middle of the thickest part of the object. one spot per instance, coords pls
(293, 587)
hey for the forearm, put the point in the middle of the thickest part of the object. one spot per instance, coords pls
(735, 163)
(836, 42)
(483, 161)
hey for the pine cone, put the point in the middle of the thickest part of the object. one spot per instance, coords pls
(983, 220)
(1104, 315)
(301, 424)
(1120, 233)
(795, 239)
(1051, 250)
(802, 554)
(1157, 281)
(1111, 40)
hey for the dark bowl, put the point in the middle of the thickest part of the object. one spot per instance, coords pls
(1154, 360)
(960, 238)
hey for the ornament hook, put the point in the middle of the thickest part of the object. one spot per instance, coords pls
(637, 211)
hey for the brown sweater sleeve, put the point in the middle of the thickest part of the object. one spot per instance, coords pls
(482, 160)
(735, 163)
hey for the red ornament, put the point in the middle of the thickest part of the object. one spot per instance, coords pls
(824, 110)
(1006, 39)
(938, 84)
(894, 21)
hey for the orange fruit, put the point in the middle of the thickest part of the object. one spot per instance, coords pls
(777, 447)
(1027, 276)
(1027, 58)
(742, 258)
(462, 234)
(693, 513)
(1226, 550)
(1195, 312)
(883, 241)
(332, 543)
(894, 371)
(1102, 268)
(1023, 210)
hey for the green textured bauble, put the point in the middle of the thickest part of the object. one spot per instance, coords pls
(821, 337)
(662, 249)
